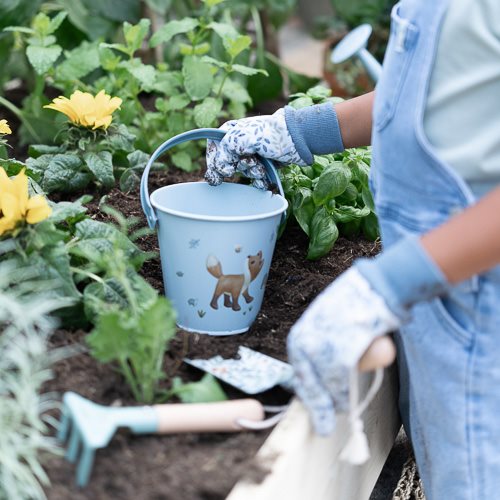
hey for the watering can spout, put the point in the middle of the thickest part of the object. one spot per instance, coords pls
(354, 45)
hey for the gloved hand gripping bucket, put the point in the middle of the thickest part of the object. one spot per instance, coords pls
(216, 244)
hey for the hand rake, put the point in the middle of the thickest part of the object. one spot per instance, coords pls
(88, 426)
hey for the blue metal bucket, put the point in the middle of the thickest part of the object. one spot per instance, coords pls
(216, 244)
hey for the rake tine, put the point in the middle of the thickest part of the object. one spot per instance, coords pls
(63, 429)
(84, 466)
(74, 444)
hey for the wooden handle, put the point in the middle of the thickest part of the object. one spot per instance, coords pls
(381, 353)
(207, 417)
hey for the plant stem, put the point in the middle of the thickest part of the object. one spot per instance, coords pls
(16, 111)
(223, 82)
(93, 276)
(129, 376)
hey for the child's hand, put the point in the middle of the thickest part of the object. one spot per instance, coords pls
(329, 340)
(265, 136)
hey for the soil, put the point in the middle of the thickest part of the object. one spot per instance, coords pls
(193, 466)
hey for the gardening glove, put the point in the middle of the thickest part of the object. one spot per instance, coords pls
(289, 136)
(371, 299)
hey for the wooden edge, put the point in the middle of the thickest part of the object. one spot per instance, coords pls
(303, 465)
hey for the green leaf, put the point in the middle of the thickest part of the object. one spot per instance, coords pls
(41, 24)
(177, 102)
(212, 3)
(129, 180)
(207, 390)
(198, 78)
(303, 208)
(332, 182)
(121, 139)
(97, 239)
(51, 264)
(248, 71)
(224, 30)
(302, 102)
(236, 92)
(368, 199)
(215, 62)
(108, 59)
(206, 113)
(36, 150)
(138, 160)
(111, 338)
(234, 46)
(65, 210)
(111, 294)
(145, 74)
(347, 213)
(172, 28)
(370, 227)
(198, 50)
(183, 161)
(135, 34)
(319, 93)
(168, 83)
(57, 21)
(64, 174)
(101, 165)
(43, 58)
(11, 166)
(116, 46)
(323, 234)
(79, 62)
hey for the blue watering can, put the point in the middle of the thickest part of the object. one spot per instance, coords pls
(216, 244)
(354, 45)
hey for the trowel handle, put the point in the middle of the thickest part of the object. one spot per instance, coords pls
(380, 353)
(201, 133)
(207, 417)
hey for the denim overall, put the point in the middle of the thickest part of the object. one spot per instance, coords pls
(449, 353)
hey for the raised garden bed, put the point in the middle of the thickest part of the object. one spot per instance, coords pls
(191, 467)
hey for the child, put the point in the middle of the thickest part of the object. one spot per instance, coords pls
(435, 175)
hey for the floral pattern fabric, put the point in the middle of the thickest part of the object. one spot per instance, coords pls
(328, 341)
(245, 140)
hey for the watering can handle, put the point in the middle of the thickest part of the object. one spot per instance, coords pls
(201, 133)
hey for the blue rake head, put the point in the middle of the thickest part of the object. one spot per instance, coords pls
(87, 426)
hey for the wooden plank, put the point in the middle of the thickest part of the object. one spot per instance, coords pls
(305, 466)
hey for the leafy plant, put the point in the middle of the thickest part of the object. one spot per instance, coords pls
(25, 362)
(332, 196)
(137, 342)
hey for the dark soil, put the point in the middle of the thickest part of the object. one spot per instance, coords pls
(190, 467)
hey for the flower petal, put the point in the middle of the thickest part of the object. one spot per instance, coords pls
(38, 209)
(4, 127)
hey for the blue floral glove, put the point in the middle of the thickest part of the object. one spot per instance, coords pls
(265, 136)
(369, 300)
(288, 136)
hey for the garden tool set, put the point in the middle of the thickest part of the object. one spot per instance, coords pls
(87, 426)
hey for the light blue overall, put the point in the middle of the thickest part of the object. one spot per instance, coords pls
(449, 354)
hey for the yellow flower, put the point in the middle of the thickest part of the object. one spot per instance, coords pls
(16, 205)
(87, 110)
(4, 127)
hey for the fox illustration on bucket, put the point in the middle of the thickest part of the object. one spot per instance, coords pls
(234, 285)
